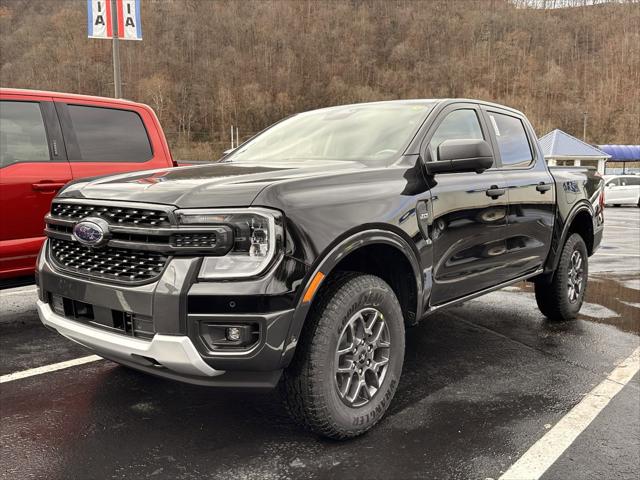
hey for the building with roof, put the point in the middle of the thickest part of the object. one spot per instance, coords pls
(622, 153)
(560, 148)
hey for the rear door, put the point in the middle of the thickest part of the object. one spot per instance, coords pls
(634, 183)
(468, 212)
(531, 194)
(629, 189)
(33, 167)
(103, 138)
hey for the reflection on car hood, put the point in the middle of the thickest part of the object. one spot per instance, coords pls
(213, 185)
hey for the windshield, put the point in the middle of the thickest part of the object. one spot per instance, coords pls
(365, 133)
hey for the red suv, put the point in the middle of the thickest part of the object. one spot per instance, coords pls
(48, 139)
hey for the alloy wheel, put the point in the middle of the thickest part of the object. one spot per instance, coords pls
(576, 277)
(362, 357)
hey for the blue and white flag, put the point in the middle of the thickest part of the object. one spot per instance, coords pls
(99, 18)
(129, 26)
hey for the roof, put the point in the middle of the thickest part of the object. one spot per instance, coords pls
(44, 93)
(622, 153)
(560, 144)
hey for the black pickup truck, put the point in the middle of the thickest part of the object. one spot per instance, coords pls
(299, 258)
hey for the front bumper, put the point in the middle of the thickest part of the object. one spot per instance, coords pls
(175, 353)
(175, 310)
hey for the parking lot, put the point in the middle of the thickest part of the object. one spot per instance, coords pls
(482, 383)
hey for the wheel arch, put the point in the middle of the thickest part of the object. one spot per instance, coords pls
(375, 245)
(579, 220)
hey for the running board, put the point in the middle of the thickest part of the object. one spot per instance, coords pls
(471, 296)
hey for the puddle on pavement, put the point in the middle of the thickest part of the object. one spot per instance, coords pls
(611, 299)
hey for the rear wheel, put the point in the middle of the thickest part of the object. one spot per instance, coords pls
(349, 358)
(561, 297)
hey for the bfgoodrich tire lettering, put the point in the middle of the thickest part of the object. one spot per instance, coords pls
(309, 384)
(561, 297)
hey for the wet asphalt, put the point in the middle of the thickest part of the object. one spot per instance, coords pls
(482, 382)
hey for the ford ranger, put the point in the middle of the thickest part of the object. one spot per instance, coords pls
(299, 259)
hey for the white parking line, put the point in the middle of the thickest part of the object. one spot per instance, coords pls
(552, 445)
(48, 368)
(621, 255)
(21, 292)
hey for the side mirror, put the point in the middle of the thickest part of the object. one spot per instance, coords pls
(461, 156)
(227, 151)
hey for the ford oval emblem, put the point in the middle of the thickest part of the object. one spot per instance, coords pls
(91, 231)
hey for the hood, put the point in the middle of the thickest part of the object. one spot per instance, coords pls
(213, 185)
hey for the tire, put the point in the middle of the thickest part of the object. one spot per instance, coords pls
(310, 384)
(561, 297)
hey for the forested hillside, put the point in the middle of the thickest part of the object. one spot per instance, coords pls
(204, 65)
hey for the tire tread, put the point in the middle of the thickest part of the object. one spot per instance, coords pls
(551, 296)
(303, 403)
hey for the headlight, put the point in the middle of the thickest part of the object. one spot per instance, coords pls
(256, 236)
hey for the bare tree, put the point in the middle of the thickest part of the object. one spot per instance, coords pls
(204, 65)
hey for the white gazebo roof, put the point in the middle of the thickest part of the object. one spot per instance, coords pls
(559, 145)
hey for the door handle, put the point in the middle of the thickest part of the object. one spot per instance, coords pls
(543, 187)
(495, 192)
(47, 186)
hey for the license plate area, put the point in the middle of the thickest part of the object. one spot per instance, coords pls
(113, 320)
(71, 308)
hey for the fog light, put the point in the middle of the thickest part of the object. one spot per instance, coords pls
(229, 336)
(233, 334)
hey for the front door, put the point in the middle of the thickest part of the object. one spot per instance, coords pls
(32, 170)
(613, 192)
(468, 212)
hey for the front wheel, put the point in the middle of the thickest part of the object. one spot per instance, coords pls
(561, 297)
(349, 358)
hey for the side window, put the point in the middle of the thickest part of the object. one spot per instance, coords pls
(109, 135)
(633, 180)
(458, 125)
(614, 182)
(23, 137)
(513, 143)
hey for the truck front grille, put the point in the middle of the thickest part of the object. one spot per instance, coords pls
(195, 240)
(132, 216)
(117, 264)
